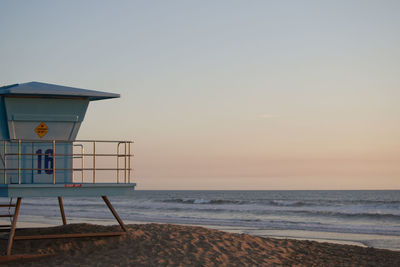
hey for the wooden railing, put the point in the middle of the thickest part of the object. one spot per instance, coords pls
(12, 158)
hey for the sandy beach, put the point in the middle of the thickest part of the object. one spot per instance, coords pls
(176, 245)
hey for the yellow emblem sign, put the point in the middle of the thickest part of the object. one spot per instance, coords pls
(42, 129)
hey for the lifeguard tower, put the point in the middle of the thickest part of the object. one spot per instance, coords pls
(40, 156)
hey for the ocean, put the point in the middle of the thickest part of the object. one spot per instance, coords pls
(368, 218)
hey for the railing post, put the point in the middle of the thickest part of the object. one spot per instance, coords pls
(19, 161)
(118, 162)
(5, 162)
(54, 161)
(125, 162)
(83, 161)
(129, 162)
(94, 162)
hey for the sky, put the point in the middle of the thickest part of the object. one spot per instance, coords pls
(231, 95)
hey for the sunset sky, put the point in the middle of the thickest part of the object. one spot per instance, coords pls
(226, 94)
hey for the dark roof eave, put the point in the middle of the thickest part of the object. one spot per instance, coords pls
(90, 98)
(36, 89)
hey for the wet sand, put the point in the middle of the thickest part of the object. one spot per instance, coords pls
(177, 245)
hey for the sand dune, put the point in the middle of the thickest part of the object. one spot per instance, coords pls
(176, 245)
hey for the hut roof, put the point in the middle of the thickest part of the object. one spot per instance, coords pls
(53, 90)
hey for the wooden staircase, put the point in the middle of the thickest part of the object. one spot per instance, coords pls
(6, 227)
(10, 227)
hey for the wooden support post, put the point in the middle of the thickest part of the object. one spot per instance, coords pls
(108, 203)
(60, 202)
(13, 225)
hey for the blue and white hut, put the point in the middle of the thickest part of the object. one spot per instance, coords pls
(40, 156)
